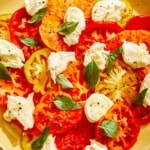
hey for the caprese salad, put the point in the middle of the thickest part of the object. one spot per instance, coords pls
(75, 74)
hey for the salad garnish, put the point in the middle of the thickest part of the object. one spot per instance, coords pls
(91, 74)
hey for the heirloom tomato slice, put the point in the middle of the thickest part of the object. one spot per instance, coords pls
(77, 137)
(47, 114)
(135, 36)
(55, 17)
(4, 30)
(142, 113)
(18, 86)
(138, 23)
(121, 80)
(74, 73)
(36, 70)
(95, 32)
(128, 127)
(20, 28)
(126, 14)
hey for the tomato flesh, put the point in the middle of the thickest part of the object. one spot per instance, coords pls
(19, 28)
(77, 137)
(36, 72)
(47, 114)
(95, 32)
(128, 128)
(138, 23)
(142, 113)
(19, 86)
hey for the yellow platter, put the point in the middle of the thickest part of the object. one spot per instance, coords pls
(7, 140)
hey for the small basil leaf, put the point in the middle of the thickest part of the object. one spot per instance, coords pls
(64, 82)
(111, 57)
(138, 101)
(67, 28)
(29, 41)
(110, 127)
(38, 143)
(4, 74)
(38, 16)
(66, 103)
(91, 74)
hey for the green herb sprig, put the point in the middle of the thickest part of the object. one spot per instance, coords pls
(66, 103)
(29, 41)
(110, 127)
(38, 16)
(4, 73)
(64, 82)
(111, 57)
(67, 28)
(38, 143)
(138, 100)
(91, 74)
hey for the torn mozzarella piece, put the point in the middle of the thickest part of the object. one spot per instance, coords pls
(11, 55)
(58, 62)
(136, 56)
(33, 6)
(95, 145)
(74, 14)
(96, 106)
(49, 144)
(108, 10)
(97, 53)
(21, 109)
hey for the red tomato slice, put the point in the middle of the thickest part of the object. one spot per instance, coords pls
(19, 28)
(47, 114)
(74, 73)
(139, 23)
(19, 86)
(142, 114)
(77, 137)
(96, 32)
(128, 128)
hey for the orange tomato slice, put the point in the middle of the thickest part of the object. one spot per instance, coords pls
(135, 36)
(55, 17)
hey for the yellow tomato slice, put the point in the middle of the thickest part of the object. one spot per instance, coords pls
(55, 17)
(126, 14)
(4, 31)
(36, 71)
(122, 80)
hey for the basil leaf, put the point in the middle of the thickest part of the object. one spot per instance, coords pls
(111, 57)
(38, 144)
(67, 28)
(138, 101)
(29, 41)
(66, 103)
(91, 74)
(110, 127)
(38, 16)
(64, 82)
(4, 74)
